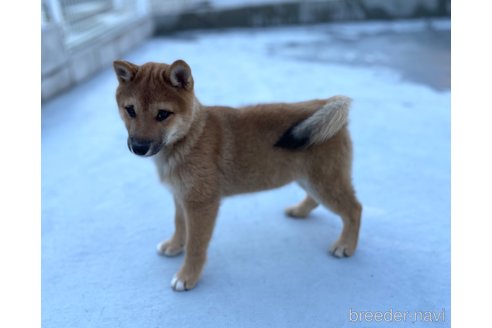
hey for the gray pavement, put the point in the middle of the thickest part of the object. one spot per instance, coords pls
(104, 210)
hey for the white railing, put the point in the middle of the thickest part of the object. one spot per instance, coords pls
(76, 10)
(68, 12)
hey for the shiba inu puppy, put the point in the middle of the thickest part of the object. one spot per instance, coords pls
(205, 153)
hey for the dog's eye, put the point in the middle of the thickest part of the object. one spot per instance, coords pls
(162, 115)
(131, 111)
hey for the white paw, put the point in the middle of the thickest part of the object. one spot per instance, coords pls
(341, 250)
(165, 248)
(295, 212)
(177, 284)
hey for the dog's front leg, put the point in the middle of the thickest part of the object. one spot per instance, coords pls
(175, 245)
(200, 221)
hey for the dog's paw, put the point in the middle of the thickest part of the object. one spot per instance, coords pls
(181, 284)
(340, 250)
(169, 248)
(296, 212)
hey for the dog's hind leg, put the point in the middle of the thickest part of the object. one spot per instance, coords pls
(175, 245)
(339, 196)
(302, 209)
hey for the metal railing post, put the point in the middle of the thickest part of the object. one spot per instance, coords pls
(55, 11)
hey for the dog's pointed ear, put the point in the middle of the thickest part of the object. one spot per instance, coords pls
(180, 75)
(125, 71)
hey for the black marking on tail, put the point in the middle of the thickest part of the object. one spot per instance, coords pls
(292, 142)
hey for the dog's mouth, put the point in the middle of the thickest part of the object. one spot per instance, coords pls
(142, 147)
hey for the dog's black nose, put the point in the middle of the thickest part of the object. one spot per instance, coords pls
(139, 147)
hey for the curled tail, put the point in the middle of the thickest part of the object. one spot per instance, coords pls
(319, 127)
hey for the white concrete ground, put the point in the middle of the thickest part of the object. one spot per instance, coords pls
(103, 209)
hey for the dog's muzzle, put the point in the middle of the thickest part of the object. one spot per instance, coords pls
(142, 147)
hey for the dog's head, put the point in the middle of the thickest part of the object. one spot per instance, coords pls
(156, 102)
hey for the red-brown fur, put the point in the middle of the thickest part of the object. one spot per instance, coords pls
(205, 153)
